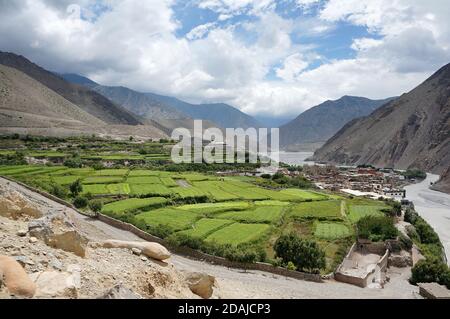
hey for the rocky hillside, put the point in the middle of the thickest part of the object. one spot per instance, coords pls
(49, 251)
(443, 185)
(88, 100)
(411, 131)
(321, 122)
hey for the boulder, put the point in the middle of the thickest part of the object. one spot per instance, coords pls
(22, 232)
(201, 284)
(13, 205)
(57, 231)
(55, 284)
(16, 279)
(120, 292)
(151, 250)
(433, 291)
(400, 260)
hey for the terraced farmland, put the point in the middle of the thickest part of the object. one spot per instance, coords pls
(212, 211)
(331, 231)
(205, 227)
(356, 212)
(264, 214)
(172, 218)
(133, 204)
(237, 234)
(318, 210)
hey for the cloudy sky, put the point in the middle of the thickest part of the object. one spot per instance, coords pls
(266, 57)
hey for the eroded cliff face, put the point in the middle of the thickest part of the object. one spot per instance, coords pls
(412, 131)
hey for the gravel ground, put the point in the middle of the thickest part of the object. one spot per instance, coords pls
(237, 283)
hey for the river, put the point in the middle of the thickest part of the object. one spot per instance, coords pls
(434, 207)
(295, 158)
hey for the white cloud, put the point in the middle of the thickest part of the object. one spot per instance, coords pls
(134, 44)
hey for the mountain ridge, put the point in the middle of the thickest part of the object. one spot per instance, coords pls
(321, 122)
(412, 131)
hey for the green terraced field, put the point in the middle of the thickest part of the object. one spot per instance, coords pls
(168, 181)
(149, 190)
(140, 172)
(95, 189)
(133, 204)
(66, 180)
(317, 210)
(331, 231)
(208, 208)
(264, 214)
(271, 203)
(144, 180)
(173, 218)
(213, 189)
(205, 226)
(111, 172)
(304, 195)
(102, 179)
(356, 212)
(118, 189)
(236, 234)
(188, 192)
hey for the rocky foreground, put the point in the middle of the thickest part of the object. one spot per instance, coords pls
(46, 253)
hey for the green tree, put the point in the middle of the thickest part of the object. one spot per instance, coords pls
(81, 202)
(96, 205)
(76, 188)
(431, 270)
(305, 254)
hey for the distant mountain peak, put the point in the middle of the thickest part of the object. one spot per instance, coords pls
(321, 122)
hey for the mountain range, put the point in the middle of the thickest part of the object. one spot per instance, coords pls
(412, 131)
(36, 101)
(159, 107)
(316, 125)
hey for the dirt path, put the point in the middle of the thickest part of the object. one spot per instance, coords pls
(237, 283)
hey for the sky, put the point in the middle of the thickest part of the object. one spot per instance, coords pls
(272, 58)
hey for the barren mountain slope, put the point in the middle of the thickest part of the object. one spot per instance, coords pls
(411, 131)
(27, 103)
(88, 100)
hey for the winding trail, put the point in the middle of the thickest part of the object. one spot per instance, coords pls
(234, 283)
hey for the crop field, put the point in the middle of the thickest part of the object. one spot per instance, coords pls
(140, 172)
(331, 231)
(133, 204)
(173, 218)
(205, 227)
(65, 180)
(144, 180)
(102, 180)
(95, 189)
(213, 210)
(188, 192)
(118, 189)
(317, 210)
(356, 212)
(264, 214)
(149, 190)
(209, 208)
(112, 172)
(236, 234)
(305, 195)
